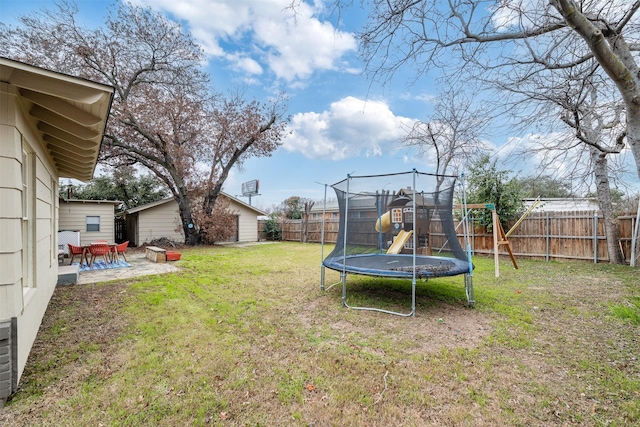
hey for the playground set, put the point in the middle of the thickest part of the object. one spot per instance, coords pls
(398, 226)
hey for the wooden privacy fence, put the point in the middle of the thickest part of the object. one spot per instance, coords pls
(542, 235)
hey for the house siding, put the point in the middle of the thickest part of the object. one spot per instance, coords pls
(158, 222)
(30, 166)
(26, 305)
(73, 216)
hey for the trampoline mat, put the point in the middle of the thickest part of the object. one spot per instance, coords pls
(397, 265)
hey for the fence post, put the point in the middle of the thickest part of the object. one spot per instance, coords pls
(595, 237)
(547, 237)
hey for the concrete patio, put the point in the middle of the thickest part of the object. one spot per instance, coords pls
(140, 266)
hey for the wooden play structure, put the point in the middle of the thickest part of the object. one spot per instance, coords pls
(500, 238)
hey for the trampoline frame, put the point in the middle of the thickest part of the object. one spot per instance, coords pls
(330, 263)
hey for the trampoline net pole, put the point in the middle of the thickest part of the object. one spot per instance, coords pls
(416, 240)
(343, 277)
(324, 213)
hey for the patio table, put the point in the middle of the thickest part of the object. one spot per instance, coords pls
(112, 246)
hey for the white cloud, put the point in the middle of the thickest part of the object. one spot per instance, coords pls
(351, 127)
(244, 63)
(263, 33)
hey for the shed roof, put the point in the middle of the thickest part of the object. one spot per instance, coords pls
(85, 201)
(169, 199)
(70, 114)
(564, 204)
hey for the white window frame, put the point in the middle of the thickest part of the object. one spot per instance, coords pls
(28, 218)
(87, 223)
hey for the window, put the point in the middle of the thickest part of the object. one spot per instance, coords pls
(93, 223)
(26, 178)
(396, 215)
(28, 218)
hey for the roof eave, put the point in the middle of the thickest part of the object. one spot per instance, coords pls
(68, 113)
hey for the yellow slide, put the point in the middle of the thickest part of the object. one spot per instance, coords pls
(385, 222)
(400, 241)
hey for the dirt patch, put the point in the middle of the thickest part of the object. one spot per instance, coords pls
(434, 327)
(85, 324)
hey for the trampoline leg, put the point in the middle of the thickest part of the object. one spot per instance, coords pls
(413, 298)
(468, 287)
(322, 277)
(343, 277)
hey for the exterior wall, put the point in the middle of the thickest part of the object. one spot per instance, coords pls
(163, 220)
(327, 215)
(28, 259)
(73, 216)
(247, 223)
(159, 221)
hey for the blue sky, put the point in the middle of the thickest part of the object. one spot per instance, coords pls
(341, 123)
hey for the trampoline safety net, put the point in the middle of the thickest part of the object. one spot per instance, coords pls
(397, 225)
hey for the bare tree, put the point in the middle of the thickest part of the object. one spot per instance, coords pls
(452, 138)
(508, 41)
(165, 116)
(589, 120)
(239, 130)
(580, 97)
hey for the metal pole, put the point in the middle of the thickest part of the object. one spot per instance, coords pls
(595, 237)
(344, 245)
(415, 245)
(496, 255)
(324, 213)
(465, 228)
(468, 277)
(379, 208)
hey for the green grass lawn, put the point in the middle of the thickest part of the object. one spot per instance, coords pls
(245, 336)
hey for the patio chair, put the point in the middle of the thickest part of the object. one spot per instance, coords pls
(118, 250)
(99, 249)
(76, 250)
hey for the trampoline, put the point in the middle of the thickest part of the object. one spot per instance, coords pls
(397, 226)
(400, 266)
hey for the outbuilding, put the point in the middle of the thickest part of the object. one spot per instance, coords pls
(161, 219)
(93, 219)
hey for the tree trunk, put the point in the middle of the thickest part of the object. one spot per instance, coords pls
(606, 206)
(190, 235)
(305, 221)
(633, 130)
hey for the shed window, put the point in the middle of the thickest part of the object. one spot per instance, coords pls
(93, 223)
